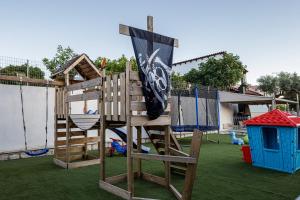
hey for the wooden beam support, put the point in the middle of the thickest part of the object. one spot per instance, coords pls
(84, 97)
(86, 84)
(166, 158)
(154, 179)
(115, 190)
(124, 30)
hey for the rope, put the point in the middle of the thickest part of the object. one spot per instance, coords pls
(22, 109)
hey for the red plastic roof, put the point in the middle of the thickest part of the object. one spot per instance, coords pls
(275, 118)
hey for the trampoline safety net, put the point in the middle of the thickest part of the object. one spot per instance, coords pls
(194, 107)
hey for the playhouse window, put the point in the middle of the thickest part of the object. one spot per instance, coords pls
(270, 137)
(298, 137)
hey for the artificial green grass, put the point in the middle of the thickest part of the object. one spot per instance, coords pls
(221, 174)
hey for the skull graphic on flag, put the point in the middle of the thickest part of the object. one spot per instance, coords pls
(154, 55)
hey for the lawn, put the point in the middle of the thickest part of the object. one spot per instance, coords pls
(221, 175)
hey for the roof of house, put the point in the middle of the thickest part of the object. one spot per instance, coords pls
(274, 118)
(230, 97)
(82, 64)
(199, 58)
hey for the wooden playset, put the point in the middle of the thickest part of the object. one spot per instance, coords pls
(120, 103)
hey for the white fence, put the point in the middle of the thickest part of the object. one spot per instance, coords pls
(11, 125)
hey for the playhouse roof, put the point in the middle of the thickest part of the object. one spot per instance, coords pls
(275, 118)
(83, 65)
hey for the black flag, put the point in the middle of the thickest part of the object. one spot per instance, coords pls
(154, 56)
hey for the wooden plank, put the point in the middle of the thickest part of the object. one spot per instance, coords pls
(75, 149)
(124, 30)
(116, 179)
(167, 153)
(108, 95)
(83, 163)
(84, 97)
(130, 179)
(136, 89)
(144, 121)
(25, 79)
(176, 152)
(85, 84)
(72, 133)
(167, 158)
(123, 97)
(139, 149)
(134, 76)
(175, 192)
(115, 98)
(115, 190)
(60, 163)
(191, 171)
(102, 136)
(141, 106)
(154, 179)
(66, 103)
(79, 141)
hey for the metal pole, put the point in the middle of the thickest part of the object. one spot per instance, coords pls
(273, 102)
(297, 106)
(27, 70)
(196, 100)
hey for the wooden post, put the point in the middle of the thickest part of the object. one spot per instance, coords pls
(67, 82)
(55, 123)
(167, 152)
(150, 23)
(101, 108)
(130, 179)
(192, 168)
(139, 149)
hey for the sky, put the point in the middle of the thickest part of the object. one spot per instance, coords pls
(264, 33)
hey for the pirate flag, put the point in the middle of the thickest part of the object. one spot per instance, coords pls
(154, 55)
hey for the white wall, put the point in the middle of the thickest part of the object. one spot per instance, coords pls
(226, 114)
(11, 126)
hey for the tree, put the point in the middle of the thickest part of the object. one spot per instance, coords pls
(21, 70)
(116, 65)
(219, 73)
(61, 57)
(283, 84)
(178, 81)
(268, 84)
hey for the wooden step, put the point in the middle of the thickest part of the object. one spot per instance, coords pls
(157, 136)
(72, 133)
(183, 168)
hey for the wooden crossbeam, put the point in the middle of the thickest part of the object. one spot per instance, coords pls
(84, 97)
(167, 158)
(124, 30)
(115, 190)
(178, 153)
(85, 84)
(154, 179)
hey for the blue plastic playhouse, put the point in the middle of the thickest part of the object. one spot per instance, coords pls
(274, 139)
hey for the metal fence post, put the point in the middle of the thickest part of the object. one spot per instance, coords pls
(27, 70)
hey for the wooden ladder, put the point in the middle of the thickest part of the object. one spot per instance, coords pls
(158, 140)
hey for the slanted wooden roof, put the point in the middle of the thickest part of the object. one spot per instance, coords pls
(82, 64)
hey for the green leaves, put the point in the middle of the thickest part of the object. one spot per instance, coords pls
(61, 57)
(117, 65)
(219, 73)
(283, 84)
